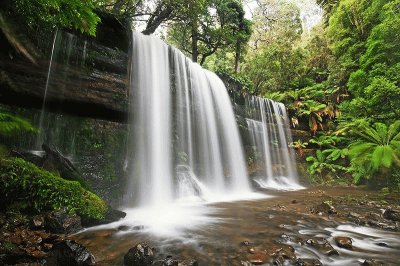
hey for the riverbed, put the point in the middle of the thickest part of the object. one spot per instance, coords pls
(278, 227)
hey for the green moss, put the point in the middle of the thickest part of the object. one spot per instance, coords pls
(39, 190)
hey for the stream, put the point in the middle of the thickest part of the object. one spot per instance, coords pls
(235, 233)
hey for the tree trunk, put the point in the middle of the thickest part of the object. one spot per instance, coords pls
(195, 51)
(237, 56)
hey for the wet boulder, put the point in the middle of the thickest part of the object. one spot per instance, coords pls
(371, 262)
(258, 258)
(287, 252)
(275, 254)
(322, 245)
(344, 242)
(62, 223)
(37, 222)
(322, 208)
(70, 253)
(392, 215)
(111, 216)
(140, 255)
(170, 261)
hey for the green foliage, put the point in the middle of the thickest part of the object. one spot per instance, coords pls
(299, 145)
(71, 14)
(242, 81)
(376, 150)
(207, 26)
(330, 160)
(23, 183)
(347, 71)
(11, 124)
(322, 166)
(365, 39)
(325, 140)
(335, 154)
(383, 44)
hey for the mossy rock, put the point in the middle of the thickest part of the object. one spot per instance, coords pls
(24, 184)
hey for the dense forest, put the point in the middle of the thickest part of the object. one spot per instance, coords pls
(335, 67)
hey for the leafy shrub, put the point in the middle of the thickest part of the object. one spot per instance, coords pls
(25, 185)
(71, 14)
(376, 151)
(325, 164)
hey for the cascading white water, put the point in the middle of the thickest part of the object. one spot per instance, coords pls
(184, 135)
(269, 131)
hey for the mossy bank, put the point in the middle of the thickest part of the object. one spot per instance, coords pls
(26, 187)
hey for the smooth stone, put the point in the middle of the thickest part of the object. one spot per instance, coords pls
(258, 258)
(344, 242)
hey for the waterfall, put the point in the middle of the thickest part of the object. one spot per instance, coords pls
(184, 138)
(68, 55)
(40, 137)
(269, 132)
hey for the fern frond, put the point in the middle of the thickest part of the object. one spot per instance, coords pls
(382, 132)
(394, 131)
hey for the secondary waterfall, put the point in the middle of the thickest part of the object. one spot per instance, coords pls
(269, 132)
(68, 55)
(184, 137)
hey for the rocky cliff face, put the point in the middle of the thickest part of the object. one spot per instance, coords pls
(87, 78)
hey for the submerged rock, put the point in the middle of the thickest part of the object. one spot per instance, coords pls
(189, 262)
(70, 253)
(344, 242)
(286, 252)
(245, 243)
(308, 262)
(62, 223)
(275, 255)
(322, 245)
(258, 258)
(371, 262)
(140, 255)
